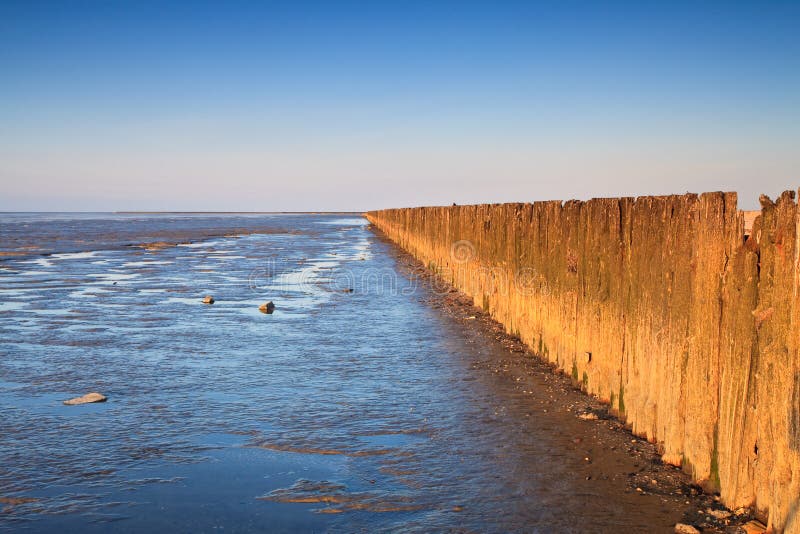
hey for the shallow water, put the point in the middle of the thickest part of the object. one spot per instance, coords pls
(341, 411)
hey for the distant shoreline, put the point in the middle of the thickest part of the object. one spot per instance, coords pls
(203, 212)
(238, 212)
(362, 213)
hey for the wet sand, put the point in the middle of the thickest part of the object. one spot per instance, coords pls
(613, 456)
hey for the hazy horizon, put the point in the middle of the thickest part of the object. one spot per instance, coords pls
(347, 106)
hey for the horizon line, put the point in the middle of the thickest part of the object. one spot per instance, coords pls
(194, 212)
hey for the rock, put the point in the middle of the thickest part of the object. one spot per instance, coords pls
(267, 307)
(86, 399)
(754, 527)
(683, 528)
(14, 501)
(158, 245)
(348, 290)
(718, 514)
(588, 416)
(208, 299)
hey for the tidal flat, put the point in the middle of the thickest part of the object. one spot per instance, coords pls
(372, 399)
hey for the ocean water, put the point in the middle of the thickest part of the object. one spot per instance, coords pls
(343, 410)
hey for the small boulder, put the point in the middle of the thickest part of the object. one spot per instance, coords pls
(267, 307)
(208, 299)
(683, 528)
(86, 399)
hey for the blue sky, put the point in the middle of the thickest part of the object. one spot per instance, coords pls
(359, 105)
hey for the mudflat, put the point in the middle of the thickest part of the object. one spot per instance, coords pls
(385, 407)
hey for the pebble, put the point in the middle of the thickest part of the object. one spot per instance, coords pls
(683, 528)
(719, 514)
(754, 527)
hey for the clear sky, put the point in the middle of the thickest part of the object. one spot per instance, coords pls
(338, 105)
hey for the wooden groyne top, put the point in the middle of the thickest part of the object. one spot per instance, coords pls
(682, 312)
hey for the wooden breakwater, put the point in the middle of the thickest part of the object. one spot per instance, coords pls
(660, 306)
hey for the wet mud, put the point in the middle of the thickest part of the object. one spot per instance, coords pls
(553, 394)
